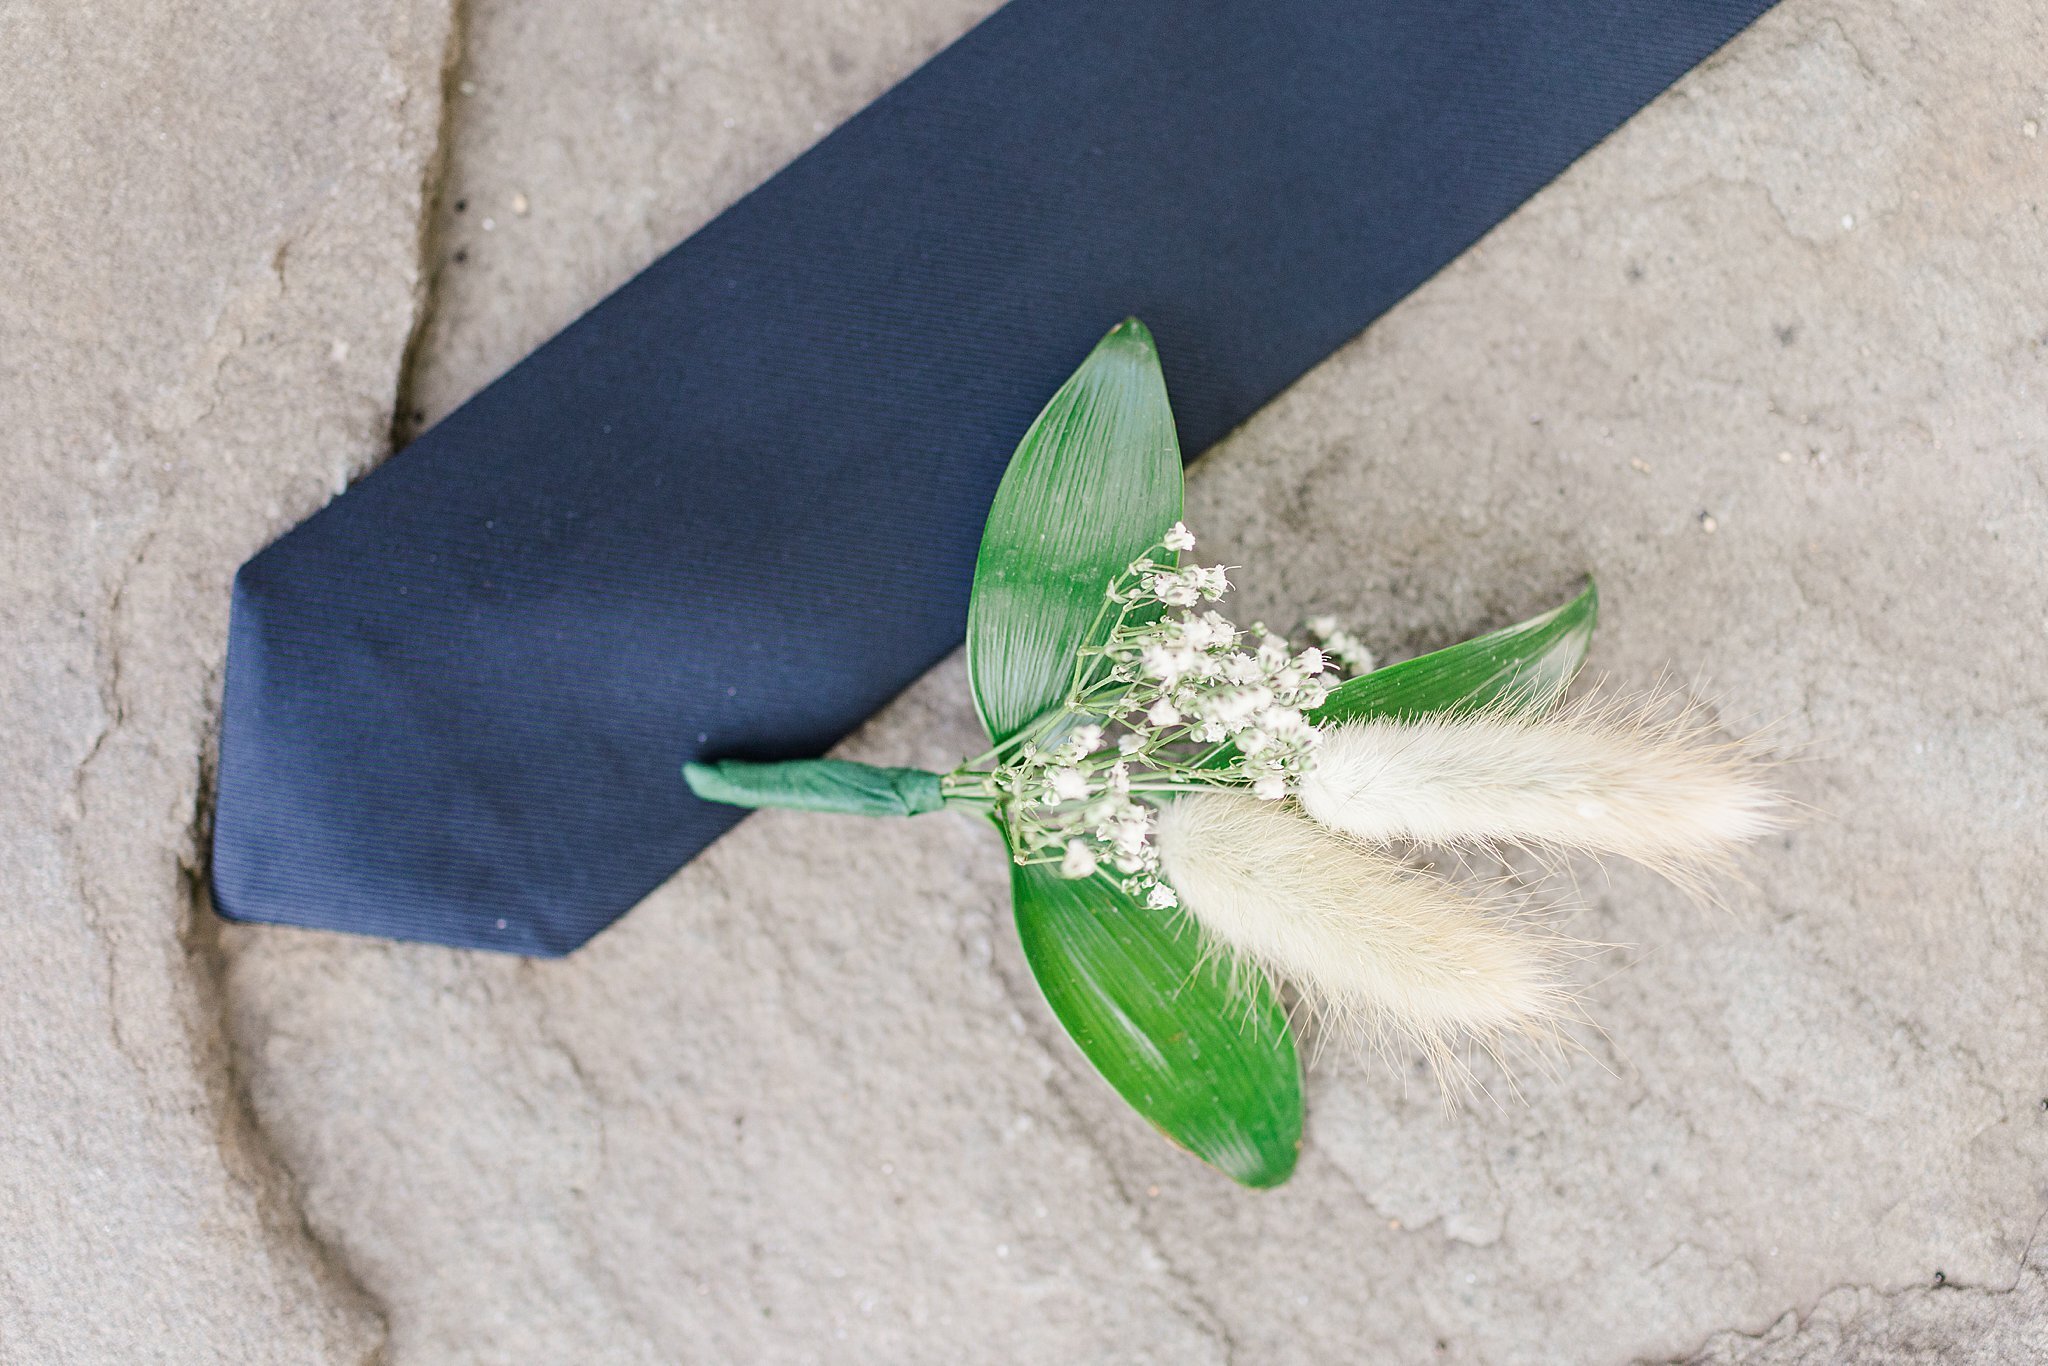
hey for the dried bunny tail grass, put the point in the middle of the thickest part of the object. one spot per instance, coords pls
(1374, 946)
(1635, 778)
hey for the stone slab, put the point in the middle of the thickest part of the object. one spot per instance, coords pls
(209, 218)
(804, 1104)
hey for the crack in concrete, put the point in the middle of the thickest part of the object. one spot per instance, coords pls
(113, 714)
(1802, 1318)
(405, 415)
(249, 1152)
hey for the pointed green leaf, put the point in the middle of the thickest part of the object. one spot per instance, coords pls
(1095, 481)
(1522, 666)
(1214, 1069)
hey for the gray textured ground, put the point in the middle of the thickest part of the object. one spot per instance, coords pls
(804, 1104)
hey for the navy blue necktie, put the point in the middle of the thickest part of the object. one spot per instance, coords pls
(733, 510)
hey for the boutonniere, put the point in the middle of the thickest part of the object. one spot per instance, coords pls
(1197, 813)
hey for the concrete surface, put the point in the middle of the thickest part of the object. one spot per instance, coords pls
(209, 224)
(804, 1104)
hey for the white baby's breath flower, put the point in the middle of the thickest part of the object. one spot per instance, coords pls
(1083, 741)
(1123, 824)
(1168, 664)
(1341, 645)
(1175, 589)
(1067, 784)
(1178, 538)
(1284, 723)
(1163, 713)
(1161, 897)
(1234, 708)
(1243, 669)
(1080, 860)
(1206, 632)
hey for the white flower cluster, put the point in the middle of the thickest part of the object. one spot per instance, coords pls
(1168, 704)
(1344, 648)
(1188, 682)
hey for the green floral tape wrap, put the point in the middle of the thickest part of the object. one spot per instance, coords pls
(835, 785)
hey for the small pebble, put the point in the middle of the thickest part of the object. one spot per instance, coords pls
(1784, 457)
(1638, 464)
(1848, 221)
(520, 205)
(338, 352)
(1152, 1191)
(467, 87)
(490, 224)
(2030, 129)
(1708, 524)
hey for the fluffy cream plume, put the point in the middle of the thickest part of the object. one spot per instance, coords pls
(1369, 941)
(1635, 780)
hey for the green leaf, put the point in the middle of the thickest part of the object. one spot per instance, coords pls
(1094, 484)
(1095, 481)
(1519, 667)
(1214, 1069)
(836, 785)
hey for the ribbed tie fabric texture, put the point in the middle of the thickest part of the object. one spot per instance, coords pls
(733, 509)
